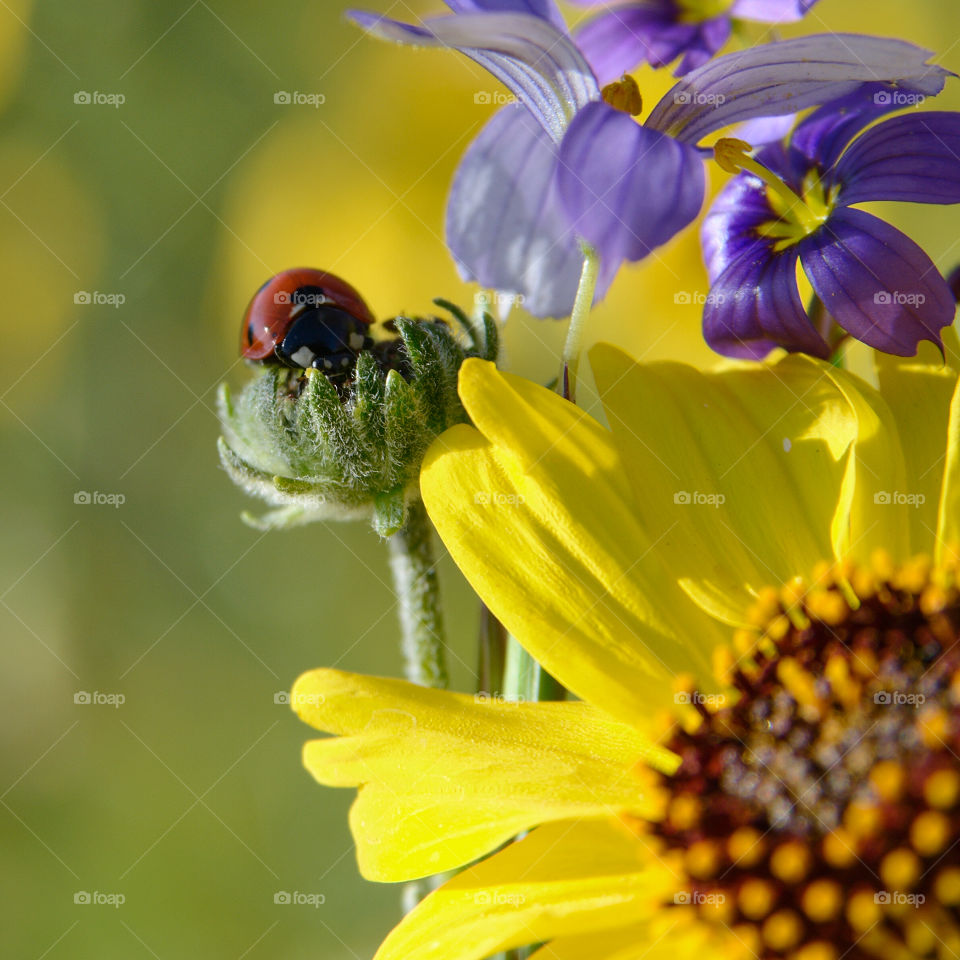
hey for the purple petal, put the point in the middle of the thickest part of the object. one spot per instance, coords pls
(763, 130)
(915, 158)
(823, 136)
(731, 224)
(627, 189)
(620, 39)
(710, 37)
(541, 65)
(505, 225)
(771, 11)
(544, 9)
(788, 76)
(877, 283)
(754, 306)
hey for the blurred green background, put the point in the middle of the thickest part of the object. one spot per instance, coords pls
(188, 799)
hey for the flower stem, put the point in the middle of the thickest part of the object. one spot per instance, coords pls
(582, 305)
(525, 680)
(492, 653)
(418, 596)
(828, 329)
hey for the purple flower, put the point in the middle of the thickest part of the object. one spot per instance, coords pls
(795, 203)
(658, 32)
(564, 168)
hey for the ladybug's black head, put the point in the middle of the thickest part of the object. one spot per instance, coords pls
(307, 298)
(322, 336)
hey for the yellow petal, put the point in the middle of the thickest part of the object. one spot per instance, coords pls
(678, 937)
(535, 508)
(626, 943)
(562, 880)
(919, 399)
(948, 520)
(738, 473)
(875, 466)
(444, 778)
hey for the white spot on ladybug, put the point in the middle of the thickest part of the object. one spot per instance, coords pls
(787, 444)
(345, 362)
(356, 341)
(297, 309)
(303, 357)
(327, 365)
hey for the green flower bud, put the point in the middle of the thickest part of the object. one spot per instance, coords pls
(315, 451)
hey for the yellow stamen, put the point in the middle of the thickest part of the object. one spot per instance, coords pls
(798, 215)
(930, 833)
(684, 811)
(862, 819)
(702, 859)
(921, 940)
(624, 95)
(783, 930)
(947, 886)
(844, 687)
(801, 684)
(724, 663)
(839, 848)
(822, 900)
(942, 788)
(888, 778)
(900, 869)
(756, 897)
(934, 726)
(828, 606)
(790, 862)
(746, 847)
(863, 911)
(732, 156)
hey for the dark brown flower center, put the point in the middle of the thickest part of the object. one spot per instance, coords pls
(816, 808)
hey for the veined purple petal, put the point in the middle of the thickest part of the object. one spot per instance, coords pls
(711, 36)
(771, 11)
(754, 306)
(877, 283)
(730, 226)
(544, 9)
(915, 158)
(823, 136)
(627, 189)
(621, 38)
(505, 225)
(788, 76)
(541, 65)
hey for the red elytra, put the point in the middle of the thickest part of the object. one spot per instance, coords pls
(274, 308)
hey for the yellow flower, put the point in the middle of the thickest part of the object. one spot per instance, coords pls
(760, 552)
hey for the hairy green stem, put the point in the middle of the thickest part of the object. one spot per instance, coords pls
(582, 305)
(418, 596)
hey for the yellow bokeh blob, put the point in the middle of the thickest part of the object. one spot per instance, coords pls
(51, 244)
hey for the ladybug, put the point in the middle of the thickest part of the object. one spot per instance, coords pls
(307, 318)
